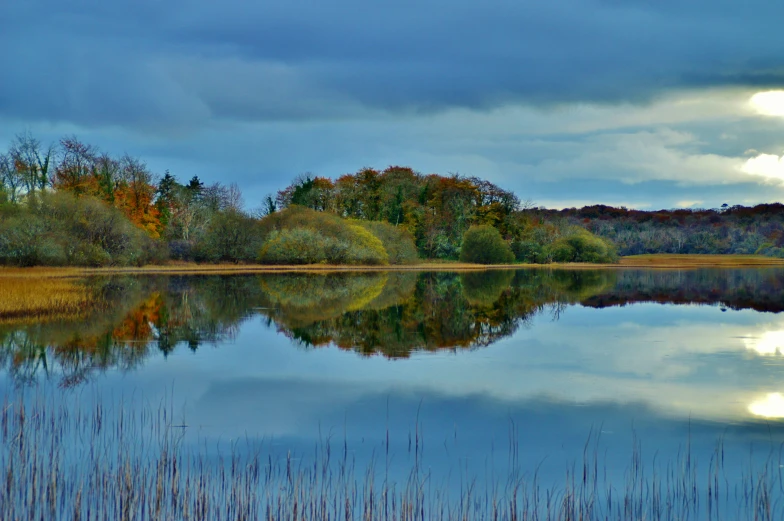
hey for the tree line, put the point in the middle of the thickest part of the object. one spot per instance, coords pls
(725, 230)
(447, 217)
(70, 203)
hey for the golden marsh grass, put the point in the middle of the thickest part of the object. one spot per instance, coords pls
(28, 298)
(675, 261)
(700, 261)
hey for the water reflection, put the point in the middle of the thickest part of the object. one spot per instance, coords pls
(757, 289)
(395, 314)
(139, 316)
(676, 357)
(767, 343)
(392, 314)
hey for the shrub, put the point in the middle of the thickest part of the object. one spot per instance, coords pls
(298, 246)
(397, 241)
(299, 235)
(580, 245)
(97, 234)
(770, 250)
(180, 249)
(296, 216)
(58, 229)
(484, 245)
(231, 236)
(307, 246)
(530, 251)
(28, 241)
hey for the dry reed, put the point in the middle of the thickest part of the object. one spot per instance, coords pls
(27, 298)
(674, 261)
(60, 462)
(699, 261)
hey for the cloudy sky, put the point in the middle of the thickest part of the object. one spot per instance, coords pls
(644, 103)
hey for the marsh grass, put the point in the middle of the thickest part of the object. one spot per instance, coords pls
(699, 261)
(35, 299)
(83, 463)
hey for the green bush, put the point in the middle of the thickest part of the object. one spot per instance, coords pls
(397, 241)
(57, 229)
(296, 216)
(28, 240)
(530, 251)
(484, 245)
(304, 236)
(231, 236)
(98, 235)
(580, 245)
(769, 250)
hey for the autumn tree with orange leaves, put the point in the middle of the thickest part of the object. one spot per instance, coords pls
(125, 183)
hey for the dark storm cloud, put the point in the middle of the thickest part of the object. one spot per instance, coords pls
(185, 63)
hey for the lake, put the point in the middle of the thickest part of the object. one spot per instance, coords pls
(628, 394)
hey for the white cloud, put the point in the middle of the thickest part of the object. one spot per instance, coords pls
(649, 155)
(771, 406)
(560, 204)
(768, 103)
(641, 156)
(769, 166)
(688, 204)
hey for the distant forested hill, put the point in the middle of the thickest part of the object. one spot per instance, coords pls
(730, 229)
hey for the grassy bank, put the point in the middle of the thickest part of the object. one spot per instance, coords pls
(634, 261)
(700, 261)
(29, 296)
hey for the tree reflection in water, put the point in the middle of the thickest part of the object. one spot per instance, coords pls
(388, 313)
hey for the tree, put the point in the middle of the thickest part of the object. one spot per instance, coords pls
(195, 186)
(33, 161)
(268, 206)
(108, 173)
(483, 244)
(165, 197)
(11, 179)
(231, 236)
(73, 171)
(136, 195)
(436, 210)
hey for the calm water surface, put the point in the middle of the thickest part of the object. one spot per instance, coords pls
(471, 363)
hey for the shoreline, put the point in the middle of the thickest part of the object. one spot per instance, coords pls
(652, 261)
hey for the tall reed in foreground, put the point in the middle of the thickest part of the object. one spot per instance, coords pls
(129, 463)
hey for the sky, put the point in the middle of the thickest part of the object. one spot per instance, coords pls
(643, 103)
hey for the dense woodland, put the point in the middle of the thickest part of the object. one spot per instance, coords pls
(69, 203)
(729, 229)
